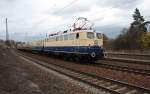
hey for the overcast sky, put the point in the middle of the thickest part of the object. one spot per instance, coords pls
(32, 19)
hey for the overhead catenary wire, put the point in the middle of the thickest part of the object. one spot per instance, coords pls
(68, 5)
(61, 9)
(45, 18)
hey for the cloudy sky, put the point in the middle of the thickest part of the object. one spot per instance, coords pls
(32, 19)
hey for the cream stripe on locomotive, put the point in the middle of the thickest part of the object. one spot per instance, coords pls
(79, 38)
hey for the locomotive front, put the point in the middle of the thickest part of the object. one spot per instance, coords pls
(95, 42)
(90, 41)
(90, 44)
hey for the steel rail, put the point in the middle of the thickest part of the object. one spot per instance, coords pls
(106, 84)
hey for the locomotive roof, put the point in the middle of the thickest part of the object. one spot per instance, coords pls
(81, 24)
(70, 32)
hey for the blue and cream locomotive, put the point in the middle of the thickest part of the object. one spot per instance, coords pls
(81, 41)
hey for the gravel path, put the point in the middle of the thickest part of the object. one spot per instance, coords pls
(19, 77)
(13, 80)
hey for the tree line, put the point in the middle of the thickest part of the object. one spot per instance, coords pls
(134, 37)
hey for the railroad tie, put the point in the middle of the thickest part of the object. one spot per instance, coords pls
(112, 86)
(132, 92)
(83, 77)
(87, 78)
(94, 80)
(106, 84)
(99, 82)
(121, 89)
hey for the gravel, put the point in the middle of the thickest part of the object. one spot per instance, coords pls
(13, 80)
(132, 78)
(125, 64)
(20, 77)
(147, 57)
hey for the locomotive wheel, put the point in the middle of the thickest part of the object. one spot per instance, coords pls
(93, 55)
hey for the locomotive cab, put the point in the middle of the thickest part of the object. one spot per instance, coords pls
(91, 41)
(90, 38)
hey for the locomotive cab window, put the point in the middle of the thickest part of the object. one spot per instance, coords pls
(90, 35)
(99, 35)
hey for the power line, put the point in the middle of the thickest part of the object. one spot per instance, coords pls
(66, 6)
(44, 19)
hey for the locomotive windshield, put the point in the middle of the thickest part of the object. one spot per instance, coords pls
(90, 35)
(99, 35)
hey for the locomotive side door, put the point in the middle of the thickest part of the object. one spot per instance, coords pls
(77, 42)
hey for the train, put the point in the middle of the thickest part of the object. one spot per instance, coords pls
(81, 41)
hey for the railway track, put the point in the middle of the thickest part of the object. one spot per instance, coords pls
(129, 54)
(123, 68)
(106, 84)
(129, 57)
(107, 65)
(127, 60)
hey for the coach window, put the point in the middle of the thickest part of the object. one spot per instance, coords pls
(61, 38)
(56, 38)
(49, 39)
(99, 35)
(71, 36)
(53, 39)
(77, 36)
(90, 35)
(65, 37)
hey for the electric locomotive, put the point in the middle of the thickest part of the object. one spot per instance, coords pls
(81, 41)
